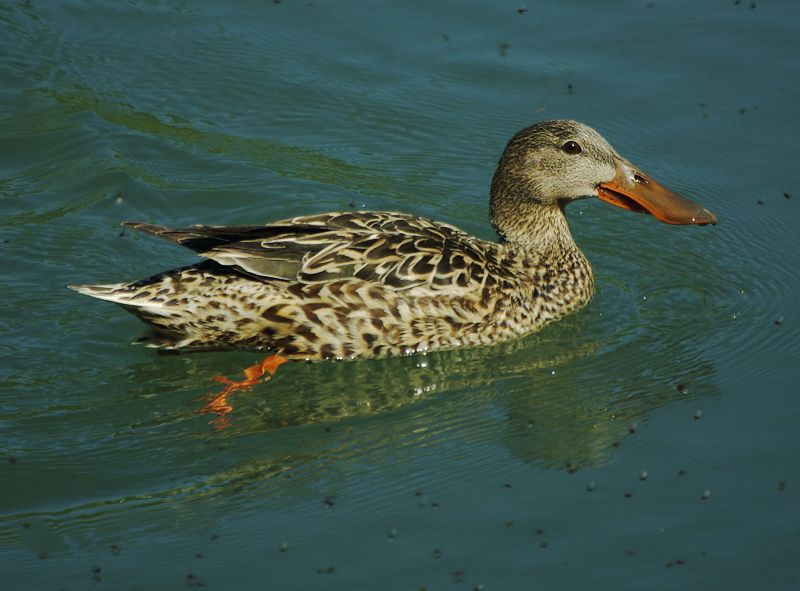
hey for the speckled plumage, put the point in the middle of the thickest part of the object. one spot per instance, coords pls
(374, 284)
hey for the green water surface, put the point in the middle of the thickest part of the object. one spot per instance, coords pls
(648, 442)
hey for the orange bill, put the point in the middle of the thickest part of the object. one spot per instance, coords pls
(634, 190)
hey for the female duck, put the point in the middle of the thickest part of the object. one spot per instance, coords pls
(372, 284)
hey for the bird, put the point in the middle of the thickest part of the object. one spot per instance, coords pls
(371, 284)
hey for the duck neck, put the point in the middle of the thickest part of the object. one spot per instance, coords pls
(530, 224)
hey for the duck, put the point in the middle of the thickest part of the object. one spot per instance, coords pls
(372, 284)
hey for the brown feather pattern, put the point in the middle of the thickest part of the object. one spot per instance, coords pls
(374, 284)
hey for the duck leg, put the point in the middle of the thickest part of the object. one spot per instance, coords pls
(218, 403)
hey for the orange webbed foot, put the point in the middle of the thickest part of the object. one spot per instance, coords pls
(218, 403)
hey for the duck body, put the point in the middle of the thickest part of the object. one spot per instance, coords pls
(363, 284)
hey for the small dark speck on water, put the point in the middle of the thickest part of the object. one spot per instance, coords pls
(706, 495)
(436, 553)
(760, 202)
(26, 524)
(198, 555)
(682, 388)
(543, 544)
(787, 195)
(632, 428)
(329, 501)
(522, 10)
(698, 414)
(630, 552)
(194, 582)
(12, 461)
(507, 485)
(122, 233)
(446, 38)
(628, 495)
(115, 549)
(782, 485)
(643, 475)
(214, 537)
(779, 321)
(283, 548)
(42, 555)
(615, 444)
(569, 88)
(458, 576)
(681, 472)
(392, 534)
(509, 524)
(326, 570)
(591, 486)
(503, 48)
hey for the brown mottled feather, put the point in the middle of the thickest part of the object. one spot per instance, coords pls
(372, 284)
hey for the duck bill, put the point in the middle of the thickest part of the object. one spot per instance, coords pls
(634, 190)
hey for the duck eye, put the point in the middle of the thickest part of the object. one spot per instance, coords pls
(571, 147)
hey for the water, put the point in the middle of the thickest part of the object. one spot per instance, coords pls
(646, 442)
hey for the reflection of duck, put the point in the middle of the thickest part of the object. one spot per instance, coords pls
(373, 284)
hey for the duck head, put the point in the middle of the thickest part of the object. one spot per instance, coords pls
(549, 164)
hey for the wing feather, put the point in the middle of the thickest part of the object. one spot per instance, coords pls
(399, 251)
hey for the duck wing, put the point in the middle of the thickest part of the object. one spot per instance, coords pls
(398, 251)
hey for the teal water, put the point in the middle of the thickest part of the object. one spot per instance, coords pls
(649, 441)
